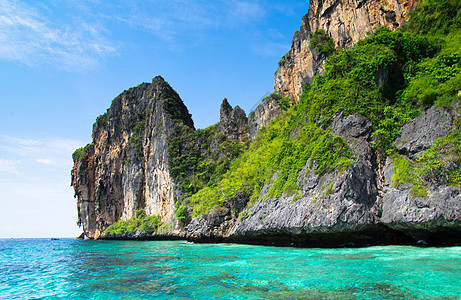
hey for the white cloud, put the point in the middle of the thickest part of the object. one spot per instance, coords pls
(29, 37)
(50, 151)
(78, 39)
(46, 162)
(9, 166)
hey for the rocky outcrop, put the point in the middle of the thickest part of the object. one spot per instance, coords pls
(346, 22)
(434, 218)
(421, 133)
(236, 126)
(336, 202)
(233, 121)
(126, 166)
(329, 210)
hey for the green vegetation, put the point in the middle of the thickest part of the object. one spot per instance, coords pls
(148, 224)
(102, 119)
(174, 106)
(367, 77)
(385, 78)
(322, 43)
(81, 153)
(180, 212)
(437, 80)
(284, 59)
(199, 158)
(440, 164)
(283, 102)
(435, 17)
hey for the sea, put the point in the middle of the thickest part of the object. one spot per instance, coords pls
(78, 269)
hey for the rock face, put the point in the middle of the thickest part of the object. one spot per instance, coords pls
(335, 202)
(262, 115)
(232, 121)
(126, 166)
(434, 218)
(422, 132)
(346, 22)
(332, 209)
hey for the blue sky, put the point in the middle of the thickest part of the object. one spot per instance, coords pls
(62, 63)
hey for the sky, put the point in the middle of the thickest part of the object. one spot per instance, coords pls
(62, 62)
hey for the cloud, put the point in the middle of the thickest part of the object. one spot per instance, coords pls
(173, 21)
(9, 166)
(77, 36)
(51, 151)
(30, 37)
(46, 162)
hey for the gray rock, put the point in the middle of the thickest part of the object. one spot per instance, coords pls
(388, 171)
(434, 218)
(356, 130)
(437, 216)
(139, 234)
(346, 204)
(421, 133)
(196, 229)
(354, 126)
(233, 121)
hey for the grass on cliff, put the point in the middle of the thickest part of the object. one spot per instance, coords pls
(148, 224)
(322, 43)
(81, 153)
(389, 77)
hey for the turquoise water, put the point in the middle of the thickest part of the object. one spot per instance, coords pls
(72, 269)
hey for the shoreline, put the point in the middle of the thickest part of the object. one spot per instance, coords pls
(274, 243)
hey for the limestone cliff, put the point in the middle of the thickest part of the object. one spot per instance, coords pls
(125, 168)
(262, 115)
(346, 22)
